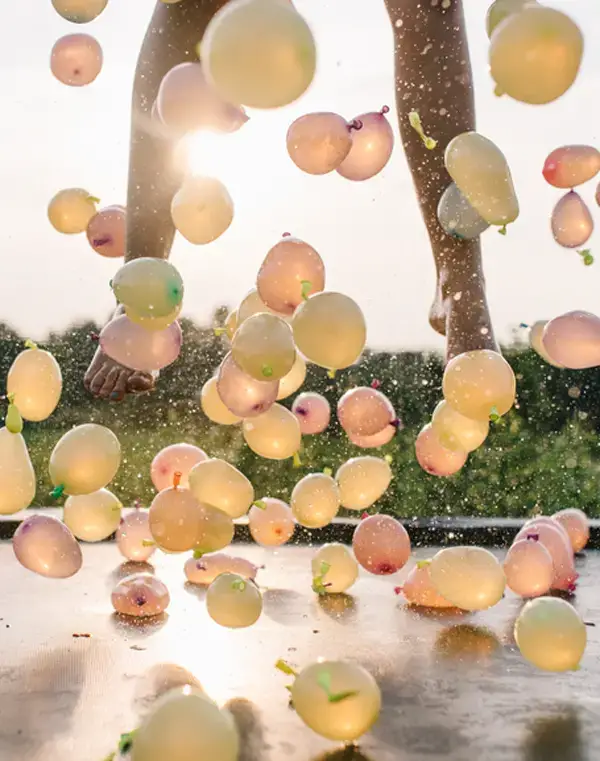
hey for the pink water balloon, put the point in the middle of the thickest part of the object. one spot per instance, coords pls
(271, 522)
(434, 458)
(528, 567)
(572, 223)
(313, 412)
(134, 539)
(371, 149)
(139, 349)
(45, 546)
(76, 59)
(364, 411)
(418, 589)
(318, 143)
(573, 340)
(576, 524)
(140, 596)
(377, 439)
(381, 545)
(290, 273)
(106, 231)
(557, 544)
(186, 102)
(241, 394)
(571, 165)
(176, 458)
(205, 570)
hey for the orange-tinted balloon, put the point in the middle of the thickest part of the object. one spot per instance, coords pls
(76, 59)
(555, 540)
(434, 458)
(313, 412)
(573, 340)
(571, 165)
(418, 588)
(241, 394)
(139, 349)
(364, 411)
(377, 440)
(371, 149)
(176, 458)
(381, 544)
(318, 143)
(106, 231)
(576, 524)
(528, 568)
(572, 223)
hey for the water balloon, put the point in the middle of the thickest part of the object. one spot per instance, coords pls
(176, 458)
(150, 287)
(215, 530)
(244, 396)
(364, 411)
(263, 347)
(435, 458)
(371, 148)
(34, 383)
(291, 382)
(106, 232)
(202, 210)
(469, 577)
(154, 323)
(315, 500)
(217, 483)
(183, 725)
(535, 54)
(418, 589)
(573, 340)
(141, 595)
(234, 601)
(17, 477)
(536, 342)
(479, 169)
(362, 481)
(313, 412)
(85, 459)
(213, 406)
(528, 568)
(457, 432)
(175, 516)
(139, 349)
(249, 305)
(271, 522)
(376, 440)
(457, 217)
(571, 165)
(290, 273)
(318, 143)
(329, 329)
(337, 699)
(334, 569)
(79, 11)
(71, 210)
(381, 545)
(479, 384)
(133, 537)
(260, 53)
(571, 222)
(274, 435)
(45, 546)
(76, 59)
(576, 524)
(205, 570)
(501, 9)
(93, 517)
(186, 102)
(555, 539)
(550, 634)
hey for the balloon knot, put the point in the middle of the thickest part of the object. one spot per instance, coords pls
(94, 336)
(533, 537)
(375, 383)
(363, 516)
(57, 491)
(384, 110)
(177, 476)
(29, 344)
(286, 235)
(398, 590)
(355, 124)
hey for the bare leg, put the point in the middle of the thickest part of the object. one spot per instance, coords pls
(154, 176)
(433, 77)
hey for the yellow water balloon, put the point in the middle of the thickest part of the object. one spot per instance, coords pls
(315, 500)
(17, 477)
(274, 435)
(263, 347)
(535, 54)
(501, 9)
(234, 601)
(79, 11)
(291, 382)
(202, 210)
(479, 384)
(362, 481)
(213, 407)
(468, 577)
(259, 53)
(457, 432)
(481, 173)
(93, 517)
(85, 459)
(35, 383)
(70, 210)
(149, 287)
(330, 330)
(154, 323)
(217, 483)
(334, 569)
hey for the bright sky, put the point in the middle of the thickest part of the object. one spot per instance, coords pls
(369, 234)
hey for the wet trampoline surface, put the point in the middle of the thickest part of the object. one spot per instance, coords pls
(454, 686)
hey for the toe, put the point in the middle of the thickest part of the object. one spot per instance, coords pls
(109, 383)
(140, 382)
(120, 386)
(98, 380)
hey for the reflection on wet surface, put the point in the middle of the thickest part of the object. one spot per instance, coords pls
(454, 685)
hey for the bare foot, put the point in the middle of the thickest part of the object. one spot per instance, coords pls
(107, 379)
